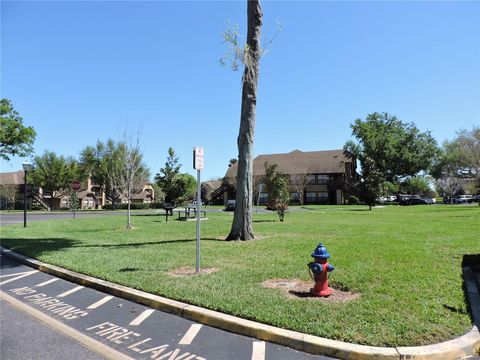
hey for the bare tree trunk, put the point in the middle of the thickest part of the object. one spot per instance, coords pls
(242, 228)
(129, 223)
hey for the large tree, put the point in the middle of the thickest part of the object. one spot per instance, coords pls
(98, 162)
(416, 185)
(54, 174)
(389, 149)
(469, 148)
(242, 228)
(15, 138)
(459, 161)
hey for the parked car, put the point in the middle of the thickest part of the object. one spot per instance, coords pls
(419, 201)
(230, 205)
(446, 200)
(403, 199)
(462, 199)
(476, 198)
(382, 200)
(391, 198)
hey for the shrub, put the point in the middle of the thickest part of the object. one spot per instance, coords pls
(133, 206)
(353, 200)
(156, 205)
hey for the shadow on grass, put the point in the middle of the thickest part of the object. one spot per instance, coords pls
(265, 221)
(92, 230)
(155, 214)
(135, 244)
(38, 246)
(448, 207)
(473, 262)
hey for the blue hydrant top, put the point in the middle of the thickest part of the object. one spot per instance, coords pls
(320, 252)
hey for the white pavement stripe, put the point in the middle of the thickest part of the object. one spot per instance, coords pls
(190, 335)
(258, 352)
(47, 282)
(100, 302)
(94, 345)
(70, 291)
(140, 318)
(19, 277)
(15, 274)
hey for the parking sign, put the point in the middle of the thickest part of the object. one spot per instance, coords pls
(198, 158)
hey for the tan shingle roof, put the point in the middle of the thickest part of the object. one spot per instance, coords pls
(212, 184)
(12, 178)
(312, 162)
(142, 195)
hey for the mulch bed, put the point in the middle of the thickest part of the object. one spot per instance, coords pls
(187, 271)
(295, 289)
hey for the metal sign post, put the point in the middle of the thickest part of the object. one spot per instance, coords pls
(198, 165)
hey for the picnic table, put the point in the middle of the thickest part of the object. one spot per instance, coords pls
(190, 211)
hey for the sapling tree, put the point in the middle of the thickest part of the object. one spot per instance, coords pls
(299, 180)
(177, 187)
(129, 178)
(450, 184)
(277, 187)
(74, 202)
(8, 192)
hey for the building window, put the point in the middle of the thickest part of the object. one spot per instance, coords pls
(317, 197)
(322, 179)
(310, 179)
(263, 198)
(295, 196)
(322, 197)
(311, 196)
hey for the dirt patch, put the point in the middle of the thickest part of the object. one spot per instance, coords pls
(257, 237)
(295, 289)
(187, 271)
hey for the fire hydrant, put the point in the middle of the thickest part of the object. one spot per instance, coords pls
(319, 269)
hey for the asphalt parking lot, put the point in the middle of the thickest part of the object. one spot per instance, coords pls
(130, 329)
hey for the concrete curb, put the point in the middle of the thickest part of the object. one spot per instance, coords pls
(461, 348)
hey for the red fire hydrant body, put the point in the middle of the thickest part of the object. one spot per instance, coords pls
(319, 270)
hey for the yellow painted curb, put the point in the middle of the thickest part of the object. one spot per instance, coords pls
(460, 348)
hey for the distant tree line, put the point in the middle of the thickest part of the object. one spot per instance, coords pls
(395, 156)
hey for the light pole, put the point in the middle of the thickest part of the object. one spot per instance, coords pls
(26, 168)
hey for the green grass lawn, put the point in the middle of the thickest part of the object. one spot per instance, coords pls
(405, 262)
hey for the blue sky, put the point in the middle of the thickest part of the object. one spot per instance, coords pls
(82, 71)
